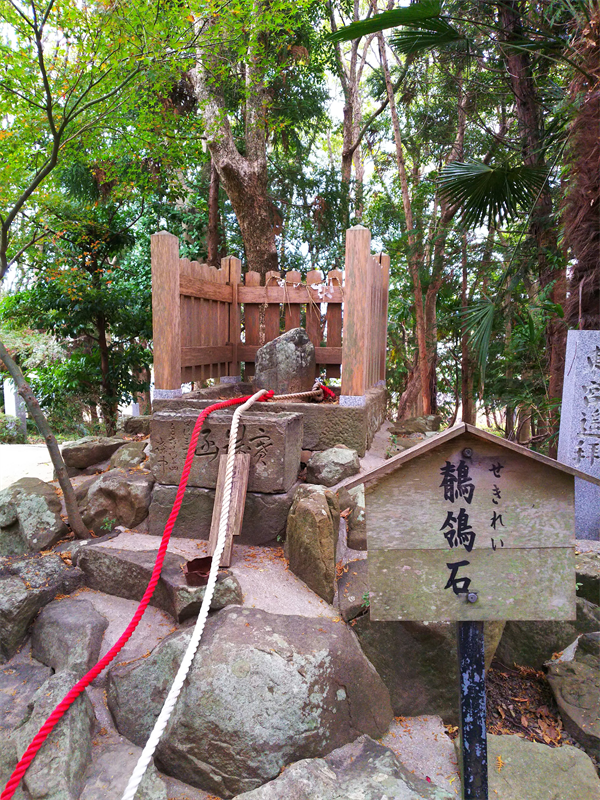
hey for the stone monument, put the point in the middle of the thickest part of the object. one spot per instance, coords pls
(579, 439)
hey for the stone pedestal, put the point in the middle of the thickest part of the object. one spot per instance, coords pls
(274, 442)
(579, 440)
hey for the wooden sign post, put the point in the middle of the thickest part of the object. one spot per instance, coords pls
(468, 527)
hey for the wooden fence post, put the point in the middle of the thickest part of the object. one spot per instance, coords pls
(234, 374)
(357, 312)
(385, 289)
(166, 314)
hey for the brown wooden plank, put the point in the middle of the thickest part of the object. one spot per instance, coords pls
(291, 310)
(191, 287)
(357, 308)
(334, 320)
(273, 310)
(251, 318)
(208, 354)
(186, 312)
(234, 266)
(283, 294)
(323, 355)
(241, 470)
(166, 319)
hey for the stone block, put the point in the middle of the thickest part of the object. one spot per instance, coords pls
(332, 465)
(265, 515)
(286, 364)
(274, 442)
(325, 424)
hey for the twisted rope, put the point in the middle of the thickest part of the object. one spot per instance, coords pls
(177, 686)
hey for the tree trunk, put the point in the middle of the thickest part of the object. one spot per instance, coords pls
(468, 406)
(213, 257)
(73, 515)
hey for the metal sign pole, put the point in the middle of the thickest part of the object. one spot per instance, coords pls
(471, 670)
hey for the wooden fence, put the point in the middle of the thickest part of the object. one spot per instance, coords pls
(208, 321)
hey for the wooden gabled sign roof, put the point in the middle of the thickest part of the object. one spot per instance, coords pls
(451, 433)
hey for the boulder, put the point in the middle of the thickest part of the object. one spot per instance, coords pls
(364, 770)
(108, 776)
(524, 770)
(353, 590)
(575, 681)
(264, 522)
(136, 426)
(57, 773)
(126, 573)
(311, 537)
(531, 644)
(26, 586)
(90, 450)
(67, 635)
(418, 662)
(129, 456)
(356, 525)
(264, 690)
(332, 466)
(30, 518)
(587, 565)
(428, 423)
(286, 364)
(115, 498)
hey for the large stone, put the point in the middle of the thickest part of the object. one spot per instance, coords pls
(67, 635)
(129, 456)
(418, 662)
(410, 425)
(115, 498)
(57, 773)
(109, 775)
(126, 573)
(587, 565)
(28, 694)
(364, 770)
(524, 770)
(26, 586)
(325, 424)
(265, 515)
(264, 690)
(30, 518)
(575, 681)
(530, 644)
(356, 525)
(353, 590)
(332, 465)
(311, 537)
(90, 450)
(286, 364)
(274, 442)
(135, 426)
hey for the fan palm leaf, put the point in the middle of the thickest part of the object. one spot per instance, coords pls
(490, 194)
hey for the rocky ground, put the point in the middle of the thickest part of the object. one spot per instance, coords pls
(293, 693)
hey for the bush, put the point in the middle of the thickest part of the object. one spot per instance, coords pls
(10, 430)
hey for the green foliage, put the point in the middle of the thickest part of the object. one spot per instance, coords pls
(10, 430)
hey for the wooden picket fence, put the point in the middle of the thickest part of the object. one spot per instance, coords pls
(208, 321)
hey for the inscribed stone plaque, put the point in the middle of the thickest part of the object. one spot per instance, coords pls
(274, 442)
(579, 440)
(471, 516)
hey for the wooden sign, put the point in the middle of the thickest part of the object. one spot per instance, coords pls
(467, 526)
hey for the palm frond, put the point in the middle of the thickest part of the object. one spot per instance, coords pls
(479, 320)
(416, 12)
(428, 34)
(490, 194)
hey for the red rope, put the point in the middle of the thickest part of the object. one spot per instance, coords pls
(43, 733)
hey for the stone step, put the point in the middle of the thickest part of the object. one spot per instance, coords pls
(126, 573)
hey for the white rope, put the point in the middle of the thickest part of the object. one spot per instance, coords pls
(169, 704)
